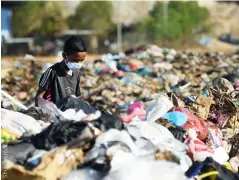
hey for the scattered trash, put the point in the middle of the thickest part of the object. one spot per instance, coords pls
(169, 115)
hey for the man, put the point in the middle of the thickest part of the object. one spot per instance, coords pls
(63, 78)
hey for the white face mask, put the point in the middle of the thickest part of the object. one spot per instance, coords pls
(73, 66)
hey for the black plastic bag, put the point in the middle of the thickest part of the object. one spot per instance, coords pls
(60, 133)
(178, 133)
(107, 121)
(74, 103)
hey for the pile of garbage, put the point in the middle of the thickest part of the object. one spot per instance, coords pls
(115, 81)
(169, 115)
(169, 137)
(21, 81)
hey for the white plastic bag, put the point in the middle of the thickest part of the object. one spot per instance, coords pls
(73, 115)
(52, 110)
(220, 155)
(19, 123)
(142, 169)
(152, 131)
(157, 108)
(124, 137)
(159, 135)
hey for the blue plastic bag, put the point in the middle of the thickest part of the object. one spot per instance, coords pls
(176, 118)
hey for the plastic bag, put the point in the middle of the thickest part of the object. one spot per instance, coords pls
(159, 135)
(77, 104)
(156, 133)
(220, 155)
(107, 121)
(176, 118)
(124, 137)
(193, 122)
(135, 109)
(55, 113)
(178, 132)
(74, 115)
(199, 150)
(141, 169)
(157, 108)
(19, 123)
(49, 108)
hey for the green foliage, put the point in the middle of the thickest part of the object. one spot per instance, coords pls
(183, 18)
(93, 15)
(43, 17)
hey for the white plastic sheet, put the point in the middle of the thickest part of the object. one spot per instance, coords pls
(19, 123)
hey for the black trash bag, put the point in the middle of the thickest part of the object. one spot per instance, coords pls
(74, 103)
(35, 112)
(17, 152)
(60, 133)
(224, 173)
(107, 121)
(178, 132)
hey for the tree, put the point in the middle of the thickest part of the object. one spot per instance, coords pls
(44, 17)
(183, 18)
(93, 15)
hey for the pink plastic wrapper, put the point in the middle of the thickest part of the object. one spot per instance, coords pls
(135, 109)
(134, 106)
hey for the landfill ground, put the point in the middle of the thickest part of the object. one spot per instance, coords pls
(148, 113)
